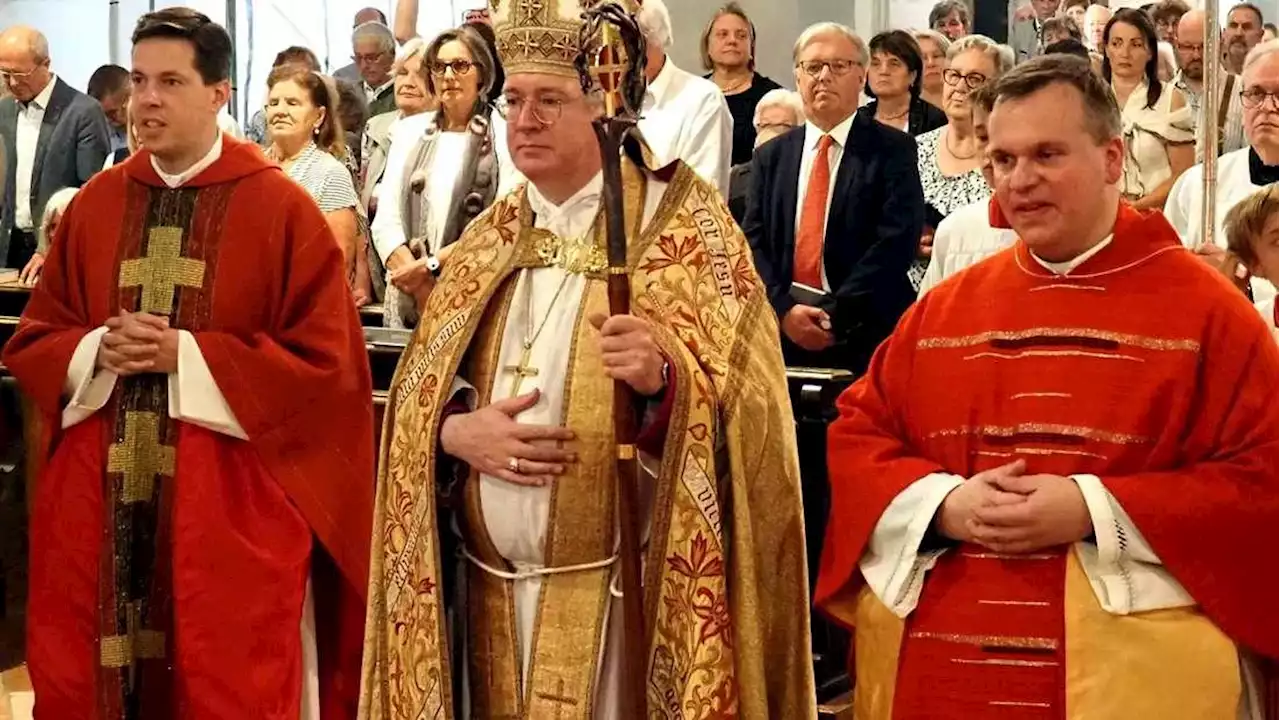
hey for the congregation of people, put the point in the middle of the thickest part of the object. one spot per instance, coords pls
(1062, 429)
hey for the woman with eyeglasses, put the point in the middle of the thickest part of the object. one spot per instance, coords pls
(729, 53)
(933, 53)
(894, 79)
(444, 168)
(948, 158)
(1157, 125)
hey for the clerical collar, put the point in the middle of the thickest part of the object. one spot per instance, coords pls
(1065, 267)
(564, 218)
(1261, 173)
(186, 176)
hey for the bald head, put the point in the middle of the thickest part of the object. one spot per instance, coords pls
(24, 61)
(368, 15)
(1191, 45)
(1095, 21)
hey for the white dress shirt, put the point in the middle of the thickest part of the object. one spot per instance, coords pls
(839, 139)
(685, 117)
(27, 140)
(194, 396)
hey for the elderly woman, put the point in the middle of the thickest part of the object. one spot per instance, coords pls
(308, 142)
(894, 78)
(1159, 135)
(729, 52)
(933, 52)
(443, 169)
(778, 112)
(949, 158)
(256, 130)
(412, 99)
(951, 18)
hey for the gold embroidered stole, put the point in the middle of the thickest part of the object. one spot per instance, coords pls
(692, 277)
(166, 262)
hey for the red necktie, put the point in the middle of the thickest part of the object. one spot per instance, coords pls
(813, 219)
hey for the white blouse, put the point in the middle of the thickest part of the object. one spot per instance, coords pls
(1148, 131)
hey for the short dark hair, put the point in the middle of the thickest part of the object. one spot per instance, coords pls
(1248, 6)
(1070, 46)
(1063, 23)
(1102, 115)
(1169, 11)
(107, 81)
(901, 45)
(209, 40)
(297, 55)
(1141, 21)
(945, 8)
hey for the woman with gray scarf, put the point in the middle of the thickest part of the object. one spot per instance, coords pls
(444, 168)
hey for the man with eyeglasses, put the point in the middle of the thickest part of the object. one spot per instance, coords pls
(835, 213)
(498, 471)
(1190, 80)
(54, 137)
(200, 533)
(373, 49)
(1239, 173)
(685, 117)
(351, 71)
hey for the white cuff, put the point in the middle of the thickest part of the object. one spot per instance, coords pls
(1124, 571)
(892, 565)
(470, 396)
(194, 396)
(89, 390)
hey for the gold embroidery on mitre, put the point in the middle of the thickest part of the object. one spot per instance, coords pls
(161, 271)
(140, 457)
(540, 36)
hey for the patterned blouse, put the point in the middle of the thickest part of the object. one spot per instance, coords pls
(325, 178)
(945, 194)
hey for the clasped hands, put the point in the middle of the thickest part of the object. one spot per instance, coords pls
(1008, 511)
(491, 441)
(138, 343)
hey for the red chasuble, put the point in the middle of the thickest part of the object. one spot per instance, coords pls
(169, 562)
(1142, 367)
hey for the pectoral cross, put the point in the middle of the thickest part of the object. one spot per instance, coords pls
(522, 369)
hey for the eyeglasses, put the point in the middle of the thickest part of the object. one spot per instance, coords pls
(1254, 97)
(814, 68)
(9, 76)
(459, 67)
(778, 127)
(973, 80)
(370, 58)
(1190, 48)
(546, 110)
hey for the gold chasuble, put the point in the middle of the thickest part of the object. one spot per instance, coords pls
(724, 579)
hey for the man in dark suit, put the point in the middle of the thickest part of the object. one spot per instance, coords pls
(836, 207)
(53, 136)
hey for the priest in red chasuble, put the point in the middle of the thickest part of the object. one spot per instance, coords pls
(494, 585)
(1053, 496)
(199, 544)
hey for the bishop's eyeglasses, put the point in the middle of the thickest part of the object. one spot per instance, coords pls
(546, 109)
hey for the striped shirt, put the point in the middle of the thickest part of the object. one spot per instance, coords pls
(325, 178)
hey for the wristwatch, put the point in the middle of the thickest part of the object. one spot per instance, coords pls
(433, 265)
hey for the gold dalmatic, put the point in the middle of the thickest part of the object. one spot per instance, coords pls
(724, 578)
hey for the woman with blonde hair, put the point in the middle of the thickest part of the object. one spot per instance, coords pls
(306, 138)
